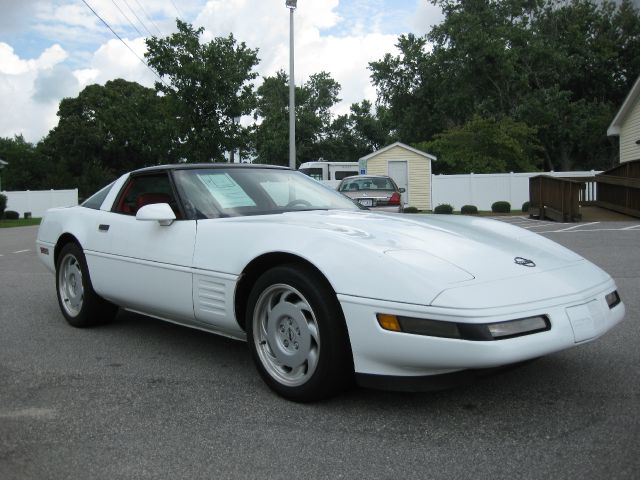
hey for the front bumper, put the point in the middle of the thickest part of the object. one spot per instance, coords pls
(575, 319)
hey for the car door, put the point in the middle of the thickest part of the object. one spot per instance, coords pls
(143, 265)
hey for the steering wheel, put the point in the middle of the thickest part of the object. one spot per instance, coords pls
(298, 201)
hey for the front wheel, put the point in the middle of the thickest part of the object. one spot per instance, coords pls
(297, 334)
(79, 303)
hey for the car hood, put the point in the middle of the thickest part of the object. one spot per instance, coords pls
(484, 249)
(402, 258)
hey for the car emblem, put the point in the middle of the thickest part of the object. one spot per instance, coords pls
(525, 262)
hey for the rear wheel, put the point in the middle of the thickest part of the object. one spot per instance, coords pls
(79, 303)
(297, 334)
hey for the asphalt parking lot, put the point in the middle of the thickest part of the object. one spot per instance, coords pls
(140, 398)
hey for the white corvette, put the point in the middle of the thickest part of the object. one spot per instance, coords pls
(323, 291)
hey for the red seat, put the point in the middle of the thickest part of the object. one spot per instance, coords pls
(151, 197)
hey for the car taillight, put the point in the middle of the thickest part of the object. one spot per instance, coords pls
(395, 199)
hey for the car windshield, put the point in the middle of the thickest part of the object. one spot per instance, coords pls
(213, 193)
(367, 183)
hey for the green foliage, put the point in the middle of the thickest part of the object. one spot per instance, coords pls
(485, 145)
(27, 168)
(501, 207)
(469, 210)
(106, 131)
(209, 84)
(525, 206)
(11, 215)
(3, 204)
(318, 133)
(410, 210)
(561, 68)
(443, 208)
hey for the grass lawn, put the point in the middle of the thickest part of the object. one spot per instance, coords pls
(21, 222)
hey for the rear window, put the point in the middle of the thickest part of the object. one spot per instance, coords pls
(367, 183)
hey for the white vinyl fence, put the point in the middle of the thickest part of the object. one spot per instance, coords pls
(39, 201)
(482, 190)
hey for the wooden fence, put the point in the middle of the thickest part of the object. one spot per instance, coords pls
(619, 188)
(555, 198)
(561, 198)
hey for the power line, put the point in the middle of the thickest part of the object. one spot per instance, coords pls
(125, 43)
(148, 17)
(128, 20)
(176, 9)
(138, 18)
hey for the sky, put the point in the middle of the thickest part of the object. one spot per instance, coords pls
(51, 49)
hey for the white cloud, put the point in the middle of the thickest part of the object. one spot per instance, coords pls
(265, 25)
(425, 17)
(324, 41)
(114, 60)
(18, 78)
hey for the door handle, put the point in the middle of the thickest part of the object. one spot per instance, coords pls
(103, 228)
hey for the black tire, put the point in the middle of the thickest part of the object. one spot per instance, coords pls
(304, 325)
(79, 303)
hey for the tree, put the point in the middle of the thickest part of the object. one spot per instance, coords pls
(562, 67)
(106, 131)
(486, 145)
(271, 140)
(27, 170)
(314, 100)
(357, 134)
(209, 85)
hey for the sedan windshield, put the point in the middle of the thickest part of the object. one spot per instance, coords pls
(213, 193)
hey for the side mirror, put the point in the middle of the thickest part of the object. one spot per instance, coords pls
(159, 212)
(402, 190)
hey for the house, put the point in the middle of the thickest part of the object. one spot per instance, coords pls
(410, 168)
(626, 125)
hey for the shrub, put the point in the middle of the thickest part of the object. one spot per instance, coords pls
(469, 210)
(443, 208)
(410, 210)
(525, 207)
(501, 207)
(3, 204)
(11, 215)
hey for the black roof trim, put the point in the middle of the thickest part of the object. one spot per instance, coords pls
(195, 166)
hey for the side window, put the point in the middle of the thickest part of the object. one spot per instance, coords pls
(145, 190)
(95, 200)
(315, 173)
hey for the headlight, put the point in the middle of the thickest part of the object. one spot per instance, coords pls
(464, 331)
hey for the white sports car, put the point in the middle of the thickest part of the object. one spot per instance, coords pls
(323, 291)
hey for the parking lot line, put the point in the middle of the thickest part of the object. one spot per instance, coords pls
(632, 227)
(21, 251)
(577, 226)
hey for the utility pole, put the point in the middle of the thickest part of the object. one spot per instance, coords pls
(291, 5)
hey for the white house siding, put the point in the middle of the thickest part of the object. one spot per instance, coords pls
(630, 134)
(418, 173)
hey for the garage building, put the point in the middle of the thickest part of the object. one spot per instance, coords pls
(409, 167)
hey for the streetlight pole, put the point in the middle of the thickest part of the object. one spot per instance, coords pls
(291, 5)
